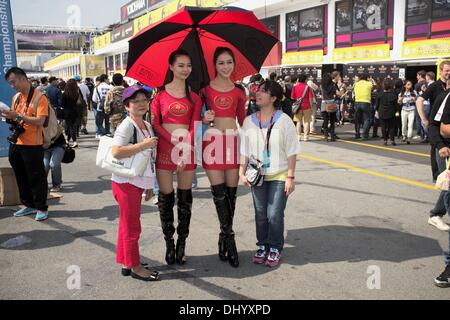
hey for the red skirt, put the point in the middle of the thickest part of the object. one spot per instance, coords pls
(167, 156)
(220, 151)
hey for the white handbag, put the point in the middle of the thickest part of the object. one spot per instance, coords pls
(443, 180)
(130, 167)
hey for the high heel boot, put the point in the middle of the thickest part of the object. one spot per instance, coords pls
(184, 204)
(165, 205)
(227, 245)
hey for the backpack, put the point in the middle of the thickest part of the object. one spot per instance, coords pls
(115, 108)
(81, 103)
(51, 129)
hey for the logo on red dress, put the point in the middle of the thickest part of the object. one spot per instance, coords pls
(178, 109)
(223, 102)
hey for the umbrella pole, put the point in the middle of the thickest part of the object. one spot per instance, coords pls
(202, 67)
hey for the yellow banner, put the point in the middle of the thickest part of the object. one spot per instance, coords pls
(371, 53)
(302, 57)
(214, 3)
(426, 48)
(92, 66)
(59, 59)
(102, 41)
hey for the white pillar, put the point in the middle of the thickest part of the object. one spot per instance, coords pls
(398, 29)
(283, 31)
(328, 59)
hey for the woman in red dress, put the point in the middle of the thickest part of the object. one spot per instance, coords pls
(175, 109)
(225, 103)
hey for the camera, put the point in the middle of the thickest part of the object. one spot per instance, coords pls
(17, 129)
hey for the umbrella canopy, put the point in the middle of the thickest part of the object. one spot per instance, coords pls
(199, 31)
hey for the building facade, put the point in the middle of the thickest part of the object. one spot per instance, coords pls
(384, 38)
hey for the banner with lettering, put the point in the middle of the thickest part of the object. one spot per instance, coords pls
(7, 61)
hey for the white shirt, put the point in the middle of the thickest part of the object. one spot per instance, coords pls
(122, 137)
(282, 145)
(102, 89)
(84, 91)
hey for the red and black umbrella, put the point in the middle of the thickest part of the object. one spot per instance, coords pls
(199, 31)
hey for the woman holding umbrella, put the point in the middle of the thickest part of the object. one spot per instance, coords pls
(225, 102)
(174, 111)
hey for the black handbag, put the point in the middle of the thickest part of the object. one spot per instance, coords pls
(69, 154)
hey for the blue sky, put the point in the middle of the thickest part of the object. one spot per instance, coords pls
(93, 13)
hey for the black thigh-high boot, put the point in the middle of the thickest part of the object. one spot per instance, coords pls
(165, 205)
(184, 204)
(224, 212)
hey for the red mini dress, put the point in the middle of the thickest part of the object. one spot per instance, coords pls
(220, 149)
(168, 109)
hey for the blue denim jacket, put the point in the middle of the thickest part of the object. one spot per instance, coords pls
(54, 95)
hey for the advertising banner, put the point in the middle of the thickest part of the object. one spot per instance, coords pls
(369, 14)
(50, 41)
(123, 32)
(7, 61)
(92, 66)
(303, 57)
(363, 53)
(132, 9)
(311, 22)
(314, 73)
(102, 41)
(426, 48)
(377, 72)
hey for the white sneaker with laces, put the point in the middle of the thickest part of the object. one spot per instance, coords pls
(438, 223)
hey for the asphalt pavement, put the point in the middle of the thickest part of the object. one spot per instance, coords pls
(356, 228)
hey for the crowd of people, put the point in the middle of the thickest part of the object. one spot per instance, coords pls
(243, 128)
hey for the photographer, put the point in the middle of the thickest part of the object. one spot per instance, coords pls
(26, 154)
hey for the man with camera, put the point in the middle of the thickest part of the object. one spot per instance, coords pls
(27, 116)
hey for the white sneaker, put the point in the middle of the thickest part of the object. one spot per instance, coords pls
(55, 189)
(305, 138)
(438, 223)
(155, 199)
(417, 137)
(75, 145)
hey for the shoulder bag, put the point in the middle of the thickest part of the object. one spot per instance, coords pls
(297, 104)
(130, 167)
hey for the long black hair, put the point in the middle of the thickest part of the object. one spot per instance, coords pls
(172, 58)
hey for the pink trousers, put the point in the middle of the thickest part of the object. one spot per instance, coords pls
(129, 199)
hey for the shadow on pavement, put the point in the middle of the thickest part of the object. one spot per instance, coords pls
(323, 244)
(43, 239)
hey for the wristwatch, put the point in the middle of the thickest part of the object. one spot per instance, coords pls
(19, 118)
